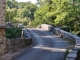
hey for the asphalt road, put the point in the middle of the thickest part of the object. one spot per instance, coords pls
(46, 46)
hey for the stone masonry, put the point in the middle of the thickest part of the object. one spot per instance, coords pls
(74, 53)
(2, 27)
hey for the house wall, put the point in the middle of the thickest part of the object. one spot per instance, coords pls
(3, 48)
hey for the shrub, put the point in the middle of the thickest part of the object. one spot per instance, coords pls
(65, 28)
(78, 33)
(66, 53)
(78, 55)
(13, 32)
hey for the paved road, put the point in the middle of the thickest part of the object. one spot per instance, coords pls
(46, 47)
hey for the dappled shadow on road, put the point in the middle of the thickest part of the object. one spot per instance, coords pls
(52, 41)
(42, 47)
(48, 36)
(41, 52)
(48, 47)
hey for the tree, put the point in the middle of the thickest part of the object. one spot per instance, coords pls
(59, 12)
(45, 12)
(8, 4)
(11, 4)
(18, 12)
(27, 11)
(10, 14)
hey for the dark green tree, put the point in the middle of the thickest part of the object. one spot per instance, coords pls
(27, 11)
(59, 12)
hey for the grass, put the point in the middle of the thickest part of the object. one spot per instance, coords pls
(71, 45)
(66, 53)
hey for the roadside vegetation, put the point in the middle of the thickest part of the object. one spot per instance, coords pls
(66, 53)
(13, 33)
(71, 46)
(64, 14)
(57, 13)
(20, 12)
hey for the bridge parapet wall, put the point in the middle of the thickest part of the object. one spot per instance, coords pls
(73, 53)
(45, 27)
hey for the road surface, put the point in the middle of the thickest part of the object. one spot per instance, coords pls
(46, 46)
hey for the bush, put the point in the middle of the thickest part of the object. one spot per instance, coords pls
(78, 55)
(13, 33)
(66, 53)
(78, 33)
(65, 28)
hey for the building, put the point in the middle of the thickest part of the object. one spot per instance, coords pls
(2, 27)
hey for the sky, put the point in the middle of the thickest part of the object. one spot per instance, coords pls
(33, 1)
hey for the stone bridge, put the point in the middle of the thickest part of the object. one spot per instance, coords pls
(73, 53)
(3, 48)
(49, 45)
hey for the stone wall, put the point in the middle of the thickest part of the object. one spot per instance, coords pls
(2, 12)
(73, 53)
(3, 47)
(16, 44)
(45, 27)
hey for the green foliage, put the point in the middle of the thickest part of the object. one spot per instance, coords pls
(13, 33)
(25, 23)
(19, 20)
(11, 4)
(43, 13)
(54, 12)
(66, 28)
(27, 11)
(35, 23)
(66, 53)
(18, 11)
(59, 13)
(10, 14)
(76, 33)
